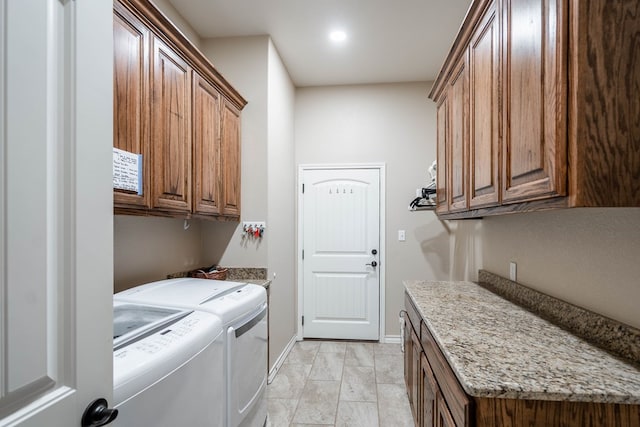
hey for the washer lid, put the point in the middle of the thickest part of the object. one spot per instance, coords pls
(132, 322)
(183, 292)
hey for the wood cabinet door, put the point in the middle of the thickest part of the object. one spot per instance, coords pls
(230, 159)
(131, 115)
(484, 86)
(416, 373)
(429, 393)
(442, 205)
(443, 415)
(171, 130)
(458, 165)
(206, 147)
(535, 92)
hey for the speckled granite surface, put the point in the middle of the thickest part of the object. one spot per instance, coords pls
(233, 273)
(498, 349)
(613, 336)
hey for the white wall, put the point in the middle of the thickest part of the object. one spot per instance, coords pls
(244, 63)
(280, 204)
(252, 65)
(394, 124)
(588, 257)
(146, 249)
(174, 16)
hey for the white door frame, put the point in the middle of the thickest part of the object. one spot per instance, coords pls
(381, 167)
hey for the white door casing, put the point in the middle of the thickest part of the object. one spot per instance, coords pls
(56, 221)
(340, 225)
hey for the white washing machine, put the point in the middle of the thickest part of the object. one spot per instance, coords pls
(167, 367)
(242, 308)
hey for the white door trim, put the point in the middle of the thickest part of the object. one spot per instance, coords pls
(382, 169)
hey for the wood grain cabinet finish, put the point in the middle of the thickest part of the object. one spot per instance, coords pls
(207, 176)
(230, 159)
(171, 130)
(457, 164)
(552, 106)
(438, 399)
(442, 204)
(484, 112)
(172, 106)
(131, 46)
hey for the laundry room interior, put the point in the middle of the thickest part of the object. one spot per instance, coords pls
(411, 222)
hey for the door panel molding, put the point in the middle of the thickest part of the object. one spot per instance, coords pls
(381, 167)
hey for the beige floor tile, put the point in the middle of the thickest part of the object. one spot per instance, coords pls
(312, 425)
(280, 412)
(289, 382)
(358, 384)
(327, 367)
(380, 348)
(393, 406)
(333, 347)
(318, 403)
(357, 414)
(303, 353)
(389, 368)
(359, 354)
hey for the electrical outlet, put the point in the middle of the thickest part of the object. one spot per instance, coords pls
(401, 236)
(513, 271)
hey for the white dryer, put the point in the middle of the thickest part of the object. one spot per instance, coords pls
(242, 308)
(167, 367)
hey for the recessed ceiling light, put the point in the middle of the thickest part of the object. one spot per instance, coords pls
(338, 36)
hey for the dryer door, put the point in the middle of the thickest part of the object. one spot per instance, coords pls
(247, 364)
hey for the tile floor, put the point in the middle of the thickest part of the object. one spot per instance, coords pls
(329, 383)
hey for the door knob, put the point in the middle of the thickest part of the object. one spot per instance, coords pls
(98, 414)
(372, 264)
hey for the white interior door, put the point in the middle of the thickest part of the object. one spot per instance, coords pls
(56, 221)
(341, 244)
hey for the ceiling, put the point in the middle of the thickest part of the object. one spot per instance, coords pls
(387, 40)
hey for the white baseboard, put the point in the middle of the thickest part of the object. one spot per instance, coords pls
(281, 359)
(391, 339)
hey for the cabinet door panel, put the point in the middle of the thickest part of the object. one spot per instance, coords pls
(171, 132)
(443, 416)
(458, 119)
(131, 40)
(416, 373)
(206, 147)
(535, 82)
(429, 393)
(230, 160)
(442, 163)
(484, 113)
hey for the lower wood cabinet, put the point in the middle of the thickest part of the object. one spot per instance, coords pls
(438, 399)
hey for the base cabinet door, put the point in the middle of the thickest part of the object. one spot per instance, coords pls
(443, 416)
(429, 393)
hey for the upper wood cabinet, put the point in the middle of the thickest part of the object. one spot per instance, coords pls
(442, 204)
(206, 147)
(171, 130)
(174, 108)
(230, 159)
(484, 112)
(457, 164)
(552, 107)
(535, 98)
(131, 46)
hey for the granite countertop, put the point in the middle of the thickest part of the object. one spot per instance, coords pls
(498, 349)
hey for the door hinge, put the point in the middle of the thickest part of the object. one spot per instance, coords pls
(303, 254)
(302, 320)
(302, 188)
